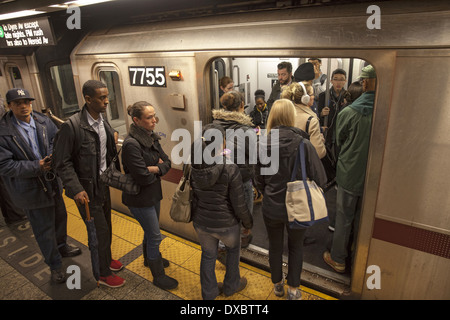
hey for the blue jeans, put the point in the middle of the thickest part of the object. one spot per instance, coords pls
(148, 217)
(209, 239)
(348, 211)
(50, 231)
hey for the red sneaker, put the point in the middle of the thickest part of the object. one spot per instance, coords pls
(116, 265)
(112, 281)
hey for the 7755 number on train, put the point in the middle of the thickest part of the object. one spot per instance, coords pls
(147, 76)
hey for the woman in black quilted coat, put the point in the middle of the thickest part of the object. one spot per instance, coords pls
(219, 208)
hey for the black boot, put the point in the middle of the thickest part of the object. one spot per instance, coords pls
(166, 262)
(160, 279)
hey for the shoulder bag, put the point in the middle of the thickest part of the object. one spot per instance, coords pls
(305, 200)
(180, 210)
(116, 179)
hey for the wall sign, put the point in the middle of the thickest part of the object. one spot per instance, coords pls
(26, 33)
(147, 76)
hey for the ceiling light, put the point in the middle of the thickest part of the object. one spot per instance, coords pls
(18, 14)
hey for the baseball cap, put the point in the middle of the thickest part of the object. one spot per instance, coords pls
(368, 72)
(17, 94)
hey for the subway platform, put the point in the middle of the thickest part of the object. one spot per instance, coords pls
(25, 276)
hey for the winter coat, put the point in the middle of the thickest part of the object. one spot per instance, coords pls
(274, 186)
(336, 104)
(234, 120)
(352, 137)
(219, 197)
(141, 149)
(316, 138)
(77, 155)
(19, 167)
(259, 118)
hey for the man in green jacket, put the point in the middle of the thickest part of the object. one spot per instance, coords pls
(352, 137)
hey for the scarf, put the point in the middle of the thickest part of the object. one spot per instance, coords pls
(143, 136)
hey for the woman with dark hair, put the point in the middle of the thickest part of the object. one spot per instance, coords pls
(145, 160)
(219, 208)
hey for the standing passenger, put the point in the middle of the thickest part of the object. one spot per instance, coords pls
(219, 207)
(260, 111)
(281, 118)
(84, 149)
(226, 84)
(234, 118)
(26, 145)
(303, 96)
(146, 161)
(352, 137)
(284, 79)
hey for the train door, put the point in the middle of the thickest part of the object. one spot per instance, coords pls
(250, 74)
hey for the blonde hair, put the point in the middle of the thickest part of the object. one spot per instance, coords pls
(294, 92)
(282, 113)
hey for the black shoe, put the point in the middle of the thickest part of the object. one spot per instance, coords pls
(69, 251)
(160, 279)
(58, 276)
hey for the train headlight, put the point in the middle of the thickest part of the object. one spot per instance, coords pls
(175, 75)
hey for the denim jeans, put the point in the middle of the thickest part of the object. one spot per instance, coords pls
(248, 195)
(209, 238)
(50, 230)
(148, 217)
(348, 211)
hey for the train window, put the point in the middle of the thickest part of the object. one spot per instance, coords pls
(115, 111)
(15, 76)
(64, 95)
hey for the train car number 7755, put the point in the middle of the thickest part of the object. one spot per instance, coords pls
(147, 76)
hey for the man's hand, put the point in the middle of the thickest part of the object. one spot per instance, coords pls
(45, 164)
(81, 197)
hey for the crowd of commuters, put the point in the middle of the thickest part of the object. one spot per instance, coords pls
(37, 160)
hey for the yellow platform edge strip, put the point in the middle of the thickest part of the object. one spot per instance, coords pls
(242, 264)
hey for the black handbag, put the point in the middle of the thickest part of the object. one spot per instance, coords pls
(116, 179)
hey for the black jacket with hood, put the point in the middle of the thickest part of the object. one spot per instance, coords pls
(274, 186)
(219, 197)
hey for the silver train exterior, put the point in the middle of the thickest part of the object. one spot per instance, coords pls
(405, 223)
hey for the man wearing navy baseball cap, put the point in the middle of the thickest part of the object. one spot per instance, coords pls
(26, 145)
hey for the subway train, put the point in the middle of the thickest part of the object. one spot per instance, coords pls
(403, 247)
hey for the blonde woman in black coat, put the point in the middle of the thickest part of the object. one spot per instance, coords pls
(282, 119)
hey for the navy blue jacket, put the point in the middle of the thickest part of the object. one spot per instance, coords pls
(19, 167)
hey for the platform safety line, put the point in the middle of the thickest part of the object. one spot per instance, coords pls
(242, 264)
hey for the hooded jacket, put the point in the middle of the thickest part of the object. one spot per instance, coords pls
(19, 167)
(274, 186)
(234, 120)
(352, 137)
(219, 197)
